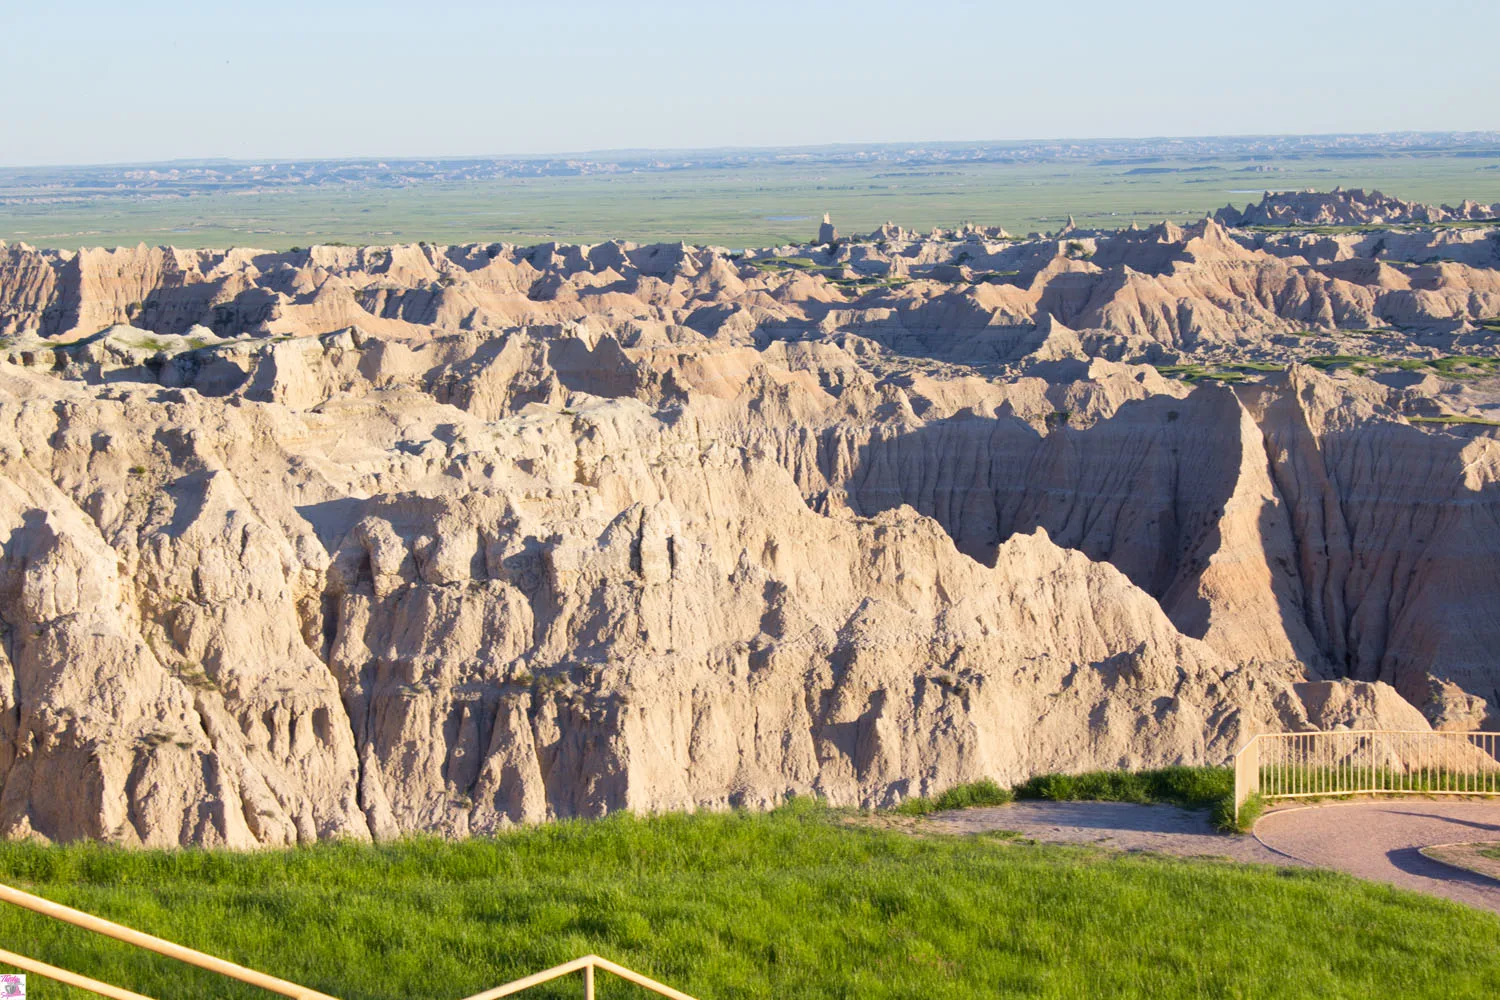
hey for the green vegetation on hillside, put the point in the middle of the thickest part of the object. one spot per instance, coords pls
(1454, 366)
(1209, 788)
(859, 286)
(1455, 418)
(804, 902)
(975, 793)
(1194, 787)
(1464, 366)
(782, 263)
(1236, 372)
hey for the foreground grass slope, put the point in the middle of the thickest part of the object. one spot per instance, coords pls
(797, 903)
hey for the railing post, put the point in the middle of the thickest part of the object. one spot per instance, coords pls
(588, 981)
(1246, 774)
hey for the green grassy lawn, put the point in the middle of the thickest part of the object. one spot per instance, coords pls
(803, 902)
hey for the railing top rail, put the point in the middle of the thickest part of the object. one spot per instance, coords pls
(535, 979)
(68, 978)
(1379, 732)
(586, 962)
(98, 925)
(1446, 733)
(640, 980)
(1331, 762)
(88, 921)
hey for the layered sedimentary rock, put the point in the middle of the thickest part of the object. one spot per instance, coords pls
(1344, 208)
(362, 542)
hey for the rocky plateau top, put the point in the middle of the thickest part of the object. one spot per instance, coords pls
(1349, 208)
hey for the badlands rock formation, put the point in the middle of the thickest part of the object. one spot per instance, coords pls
(357, 542)
(1343, 208)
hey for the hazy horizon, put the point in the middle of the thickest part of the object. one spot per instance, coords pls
(164, 81)
(623, 151)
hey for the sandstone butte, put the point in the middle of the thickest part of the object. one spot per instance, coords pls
(360, 542)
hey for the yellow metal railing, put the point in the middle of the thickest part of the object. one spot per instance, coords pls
(1366, 762)
(587, 964)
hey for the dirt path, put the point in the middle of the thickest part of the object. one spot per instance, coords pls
(1378, 840)
(1186, 833)
(1383, 841)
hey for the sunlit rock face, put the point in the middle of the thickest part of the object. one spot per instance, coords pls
(360, 542)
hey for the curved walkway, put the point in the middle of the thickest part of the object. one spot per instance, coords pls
(1371, 839)
(1121, 826)
(1382, 840)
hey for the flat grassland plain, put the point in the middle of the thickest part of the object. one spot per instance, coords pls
(801, 902)
(722, 198)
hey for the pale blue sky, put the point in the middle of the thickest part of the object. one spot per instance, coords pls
(93, 81)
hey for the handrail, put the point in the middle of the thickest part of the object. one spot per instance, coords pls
(638, 979)
(535, 979)
(1366, 762)
(1370, 732)
(70, 978)
(587, 964)
(182, 954)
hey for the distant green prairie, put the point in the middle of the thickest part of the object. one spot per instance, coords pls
(734, 206)
(803, 902)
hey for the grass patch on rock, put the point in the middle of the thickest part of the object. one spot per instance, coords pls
(1209, 788)
(793, 903)
(782, 263)
(1454, 418)
(975, 793)
(1453, 366)
(1236, 372)
(1194, 787)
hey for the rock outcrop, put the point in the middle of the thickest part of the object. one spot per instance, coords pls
(826, 233)
(361, 542)
(1347, 208)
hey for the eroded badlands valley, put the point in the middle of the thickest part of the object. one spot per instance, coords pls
(362, 541)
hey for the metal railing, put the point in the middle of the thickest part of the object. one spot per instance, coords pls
(587, 964)
(1366, 762)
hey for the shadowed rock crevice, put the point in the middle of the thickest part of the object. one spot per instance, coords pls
(1322, 557)
(1175, 493)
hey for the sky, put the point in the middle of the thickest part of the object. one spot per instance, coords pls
(99, 81)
